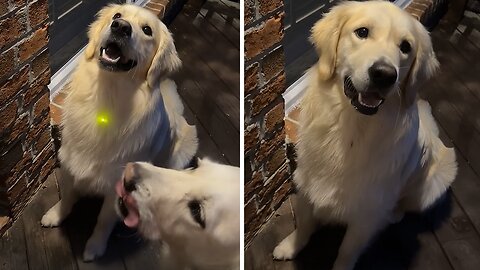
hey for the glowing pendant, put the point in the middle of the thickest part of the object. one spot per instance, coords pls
(102, 119)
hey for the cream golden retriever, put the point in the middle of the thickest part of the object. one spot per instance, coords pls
(120, 108)
(368, 149)
(196, 211)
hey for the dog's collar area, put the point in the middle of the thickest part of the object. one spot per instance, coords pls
(365, 103)
(112, 58)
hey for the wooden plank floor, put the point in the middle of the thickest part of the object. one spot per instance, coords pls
(209, 86)
(446, 237)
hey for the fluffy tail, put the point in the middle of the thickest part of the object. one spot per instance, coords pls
(186, 146)
(440, 176)
(441, 167)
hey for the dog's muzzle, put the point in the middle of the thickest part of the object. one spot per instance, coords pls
(364, 102)
(112, 53)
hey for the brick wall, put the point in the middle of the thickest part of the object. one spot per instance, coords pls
(26, 154)
(267, 172)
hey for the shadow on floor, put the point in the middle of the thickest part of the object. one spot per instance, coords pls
(394, 248)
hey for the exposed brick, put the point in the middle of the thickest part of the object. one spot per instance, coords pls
(42, 140)
(18, 129)
(266, 195)
(13, 85)
(268, 94)
(40, 63)
(35, 130)
(267, 6)
(273, 64)
(42, 105)
(10, 159)
(263, 37)
(253, 186)
(38, 12)
(17, 189)
(5, 223)
(268, 146)
(9, 114)
(274, 117)
(6, 63)
(251, 78)
(275, 161)
(157, 9)
(250, 211)
(33, 44)
(36, 88)
(249, 11)
(47, 168)
(3, 9)
(41, 159)
(16, 26)
(21, 167)
(250, 137)
(20, 3)
(281, 194)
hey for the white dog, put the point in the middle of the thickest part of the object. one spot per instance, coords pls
(368, 150)
(195, 211)
(119, 108)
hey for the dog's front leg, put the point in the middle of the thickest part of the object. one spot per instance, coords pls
(106, 221)
(305, 226)
(62, 208)
(354, 242)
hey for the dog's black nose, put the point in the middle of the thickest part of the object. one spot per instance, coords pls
(130, 177)
(121, 27)
(382, 74)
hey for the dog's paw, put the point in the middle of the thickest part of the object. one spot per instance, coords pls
(52, 218)
(285, 250)
(94, 249)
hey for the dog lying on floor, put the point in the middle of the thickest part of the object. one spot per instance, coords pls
(120, 108)
(196, 211)
(368, 149)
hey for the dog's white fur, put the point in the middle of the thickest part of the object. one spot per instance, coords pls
(366, 171)
(162, 197)
(144, 112)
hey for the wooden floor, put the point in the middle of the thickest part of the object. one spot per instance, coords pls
(207, 39)
(447, 237)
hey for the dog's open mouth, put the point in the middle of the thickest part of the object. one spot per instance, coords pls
(112, 58)
(364, 102)
(127, 206)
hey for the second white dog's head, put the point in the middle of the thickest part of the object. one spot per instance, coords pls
(195, 209)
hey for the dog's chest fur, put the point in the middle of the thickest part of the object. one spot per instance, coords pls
(98, 152)
(350, 164)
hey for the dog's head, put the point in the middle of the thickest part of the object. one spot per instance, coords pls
(127, 37)
(374, 49)
(197, 207)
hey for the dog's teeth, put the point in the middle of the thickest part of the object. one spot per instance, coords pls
(105, 56)
(362, 101)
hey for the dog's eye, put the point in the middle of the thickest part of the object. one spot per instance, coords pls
(405, 47)
(117, 15)
(362, 32)
(197, 212)
(147, 30)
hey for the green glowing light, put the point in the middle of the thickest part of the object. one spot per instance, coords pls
(102, 119)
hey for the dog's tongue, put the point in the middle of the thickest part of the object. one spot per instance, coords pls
(132, 218)
(112, 51)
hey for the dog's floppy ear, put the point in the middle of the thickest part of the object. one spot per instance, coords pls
(94, 31)
(325, 35)
(166, 58)
(424, 66)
